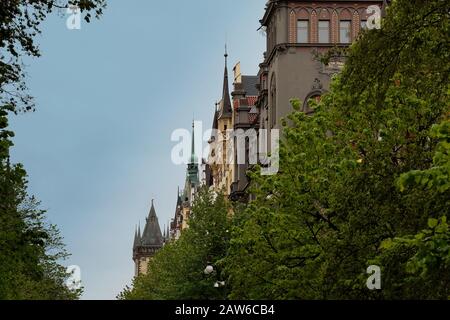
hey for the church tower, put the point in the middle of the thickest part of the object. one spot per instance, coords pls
(146, 245)
(191, 185)
(219, 172)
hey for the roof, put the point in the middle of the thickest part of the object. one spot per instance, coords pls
(225, 109)
(249, 85)
(152, 235)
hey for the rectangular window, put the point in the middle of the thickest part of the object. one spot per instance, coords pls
(302, 31)
(363, 24)
(324, 31)
(345, 33)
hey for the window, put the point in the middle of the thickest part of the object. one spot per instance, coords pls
(324, 31)
(363, 24)
(307, 104)
(345, 31)
(273, 100)
(302, 31)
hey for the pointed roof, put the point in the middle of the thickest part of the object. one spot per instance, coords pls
(194, 158)
(225, 109)
(192, 172)
(215, 124)
(152, 235)
(137, 237)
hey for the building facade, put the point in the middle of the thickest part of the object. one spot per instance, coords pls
(297, 33)
(245, 125)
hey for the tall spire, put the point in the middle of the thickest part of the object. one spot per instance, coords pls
(225, 105)
(226, 55)
(137, 237)
(193, 156)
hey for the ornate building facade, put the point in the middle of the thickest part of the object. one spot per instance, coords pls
(297, 32)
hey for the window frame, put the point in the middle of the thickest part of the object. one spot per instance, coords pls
(308, 28)
(328, 30)
(349, 23)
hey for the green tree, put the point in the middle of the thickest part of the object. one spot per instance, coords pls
(177, 271)
(424, 264)
(314, 228)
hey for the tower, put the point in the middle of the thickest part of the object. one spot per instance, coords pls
(146, 245)
(192, 183)
(176, 224)
(219, 172)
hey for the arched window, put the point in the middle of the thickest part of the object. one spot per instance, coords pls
(314, 95)
(273, 101)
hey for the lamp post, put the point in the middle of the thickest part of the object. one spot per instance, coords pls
(209, 270)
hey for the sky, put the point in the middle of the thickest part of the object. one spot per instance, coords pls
(98, 148)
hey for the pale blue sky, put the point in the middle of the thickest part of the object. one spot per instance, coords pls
(97, 150)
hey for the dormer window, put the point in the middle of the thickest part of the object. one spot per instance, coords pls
(303, 31)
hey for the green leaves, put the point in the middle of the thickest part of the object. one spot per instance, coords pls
(176, 271)
(432, 223)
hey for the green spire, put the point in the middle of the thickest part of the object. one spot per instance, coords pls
(193, 156)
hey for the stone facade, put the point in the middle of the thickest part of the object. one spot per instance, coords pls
(290, 68)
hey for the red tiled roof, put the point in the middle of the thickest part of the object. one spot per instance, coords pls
(251, 100)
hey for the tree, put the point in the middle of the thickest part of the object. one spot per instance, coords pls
(176, 272)
(31, 250)
(314, 228)
(424, 263)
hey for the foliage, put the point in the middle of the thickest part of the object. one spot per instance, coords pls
(177, 270)
(425, 255)
(314, 228)
(30, 250)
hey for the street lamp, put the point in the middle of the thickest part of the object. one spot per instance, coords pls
(209, 270)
